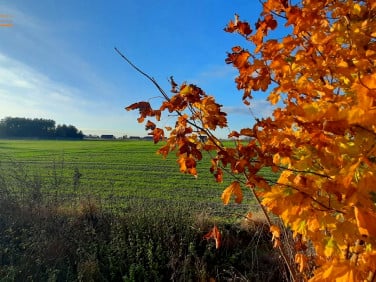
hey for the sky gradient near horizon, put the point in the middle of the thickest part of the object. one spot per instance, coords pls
(57, 61)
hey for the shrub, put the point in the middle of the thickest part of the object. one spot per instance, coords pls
(149, 241)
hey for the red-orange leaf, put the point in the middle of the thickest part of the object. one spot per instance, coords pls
(150, 125)
(219, 175)
(158, 135)
(241, 27)
(214, 234)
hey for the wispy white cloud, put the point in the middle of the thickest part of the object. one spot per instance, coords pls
(258, 108)
(53, 47)
(218, 71)
(27, 91)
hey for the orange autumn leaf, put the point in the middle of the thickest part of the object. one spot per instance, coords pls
(145, 110)
(276, 231)
(276, 234)
(233, 189)
(239, 60)
(302, 261)
(214, 234)
(241, 27)
(366, 221)
(336, 271)
(188, 165)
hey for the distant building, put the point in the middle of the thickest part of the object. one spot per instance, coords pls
(107, 136)
(90, 136)
(147, 138)
(134, 137)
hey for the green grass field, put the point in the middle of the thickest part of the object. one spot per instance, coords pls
(131, 216)
(113, 170)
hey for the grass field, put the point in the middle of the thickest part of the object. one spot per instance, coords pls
(117, 211)
(113, 170)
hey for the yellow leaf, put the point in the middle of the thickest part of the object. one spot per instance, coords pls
(342, 64)
(274, 98)
(357, 9)
(299, 226)
(235, 189)
(348, 276)
(345, 80)
(330, 247)
(335, 271)
(312, 111)
(185, 90)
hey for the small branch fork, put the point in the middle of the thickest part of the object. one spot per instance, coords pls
(215, 140)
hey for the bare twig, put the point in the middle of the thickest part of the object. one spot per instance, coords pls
(144, 74)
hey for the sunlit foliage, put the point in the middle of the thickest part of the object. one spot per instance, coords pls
(321, 137)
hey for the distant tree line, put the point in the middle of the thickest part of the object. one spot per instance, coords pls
(15, 127)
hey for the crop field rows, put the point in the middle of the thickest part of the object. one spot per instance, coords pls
(112, 170)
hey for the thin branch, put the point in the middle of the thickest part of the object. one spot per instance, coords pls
(307, 195)
(305, 171)
(160, 89)
(281, 250)
(144, 74)
(297, 171)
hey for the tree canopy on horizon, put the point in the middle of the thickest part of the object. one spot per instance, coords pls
(19, 127)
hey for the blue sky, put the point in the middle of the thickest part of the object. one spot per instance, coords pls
(58, 59)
